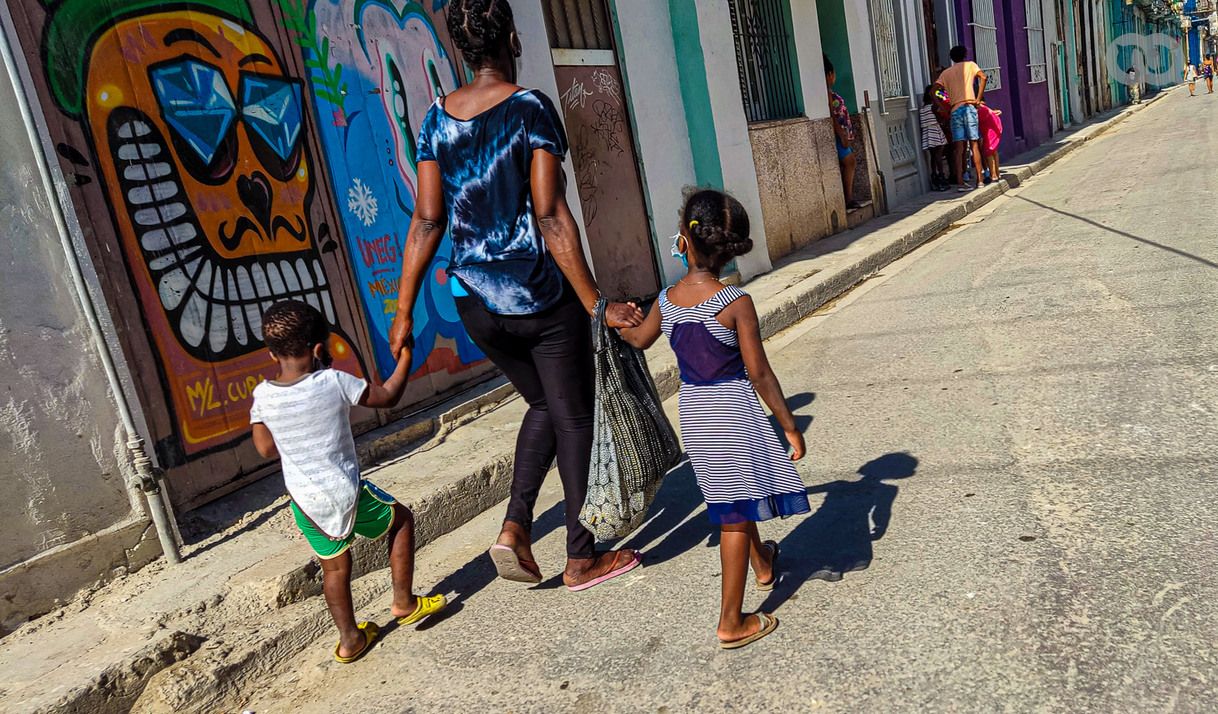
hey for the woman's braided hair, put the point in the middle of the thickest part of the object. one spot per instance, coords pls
(479, 28)
(718, 225)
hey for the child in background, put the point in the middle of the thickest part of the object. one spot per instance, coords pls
(744, 472)
(990, 124)
(843, 133)
(934, 141)
(303, 418)
(1190, 76)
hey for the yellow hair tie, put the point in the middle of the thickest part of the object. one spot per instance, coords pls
(692, 224)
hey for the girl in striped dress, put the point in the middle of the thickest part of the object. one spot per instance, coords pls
(743, 470)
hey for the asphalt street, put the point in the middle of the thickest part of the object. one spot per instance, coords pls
(1011, 461)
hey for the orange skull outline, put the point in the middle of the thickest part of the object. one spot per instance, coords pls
(210, 202)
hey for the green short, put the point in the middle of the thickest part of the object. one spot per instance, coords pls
(373, 519)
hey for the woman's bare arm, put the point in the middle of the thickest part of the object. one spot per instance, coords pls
(561, 234)
(422, 241)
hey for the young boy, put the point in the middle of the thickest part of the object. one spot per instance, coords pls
(965, 84)
(303, 417)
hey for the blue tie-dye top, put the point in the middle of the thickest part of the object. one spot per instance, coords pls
(498, 251)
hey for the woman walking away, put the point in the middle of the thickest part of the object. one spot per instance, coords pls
(1190, 76)
(743, 470)
(1207, 73)
(490, 173)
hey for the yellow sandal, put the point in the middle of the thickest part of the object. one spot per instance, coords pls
(427, 606)
(371, 632)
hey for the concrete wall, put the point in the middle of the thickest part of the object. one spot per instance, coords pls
(799, 182)
(68, 515)
(647, 54)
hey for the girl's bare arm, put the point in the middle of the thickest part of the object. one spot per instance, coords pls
(646, 334)
(744, 316)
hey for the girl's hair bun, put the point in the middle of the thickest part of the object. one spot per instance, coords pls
(718, 225)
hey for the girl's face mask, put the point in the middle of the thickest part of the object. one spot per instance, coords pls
(677, 252)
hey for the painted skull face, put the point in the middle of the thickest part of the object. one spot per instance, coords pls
(211, 177)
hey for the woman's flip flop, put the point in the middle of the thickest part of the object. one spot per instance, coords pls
(371, 632)
(613, 571)
(511, 567)
(427, 606)
(768, 586)
(769, 623)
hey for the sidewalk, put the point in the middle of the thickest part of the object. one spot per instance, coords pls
(245, 600)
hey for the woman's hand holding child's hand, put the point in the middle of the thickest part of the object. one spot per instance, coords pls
(621, 315)
(796, 439)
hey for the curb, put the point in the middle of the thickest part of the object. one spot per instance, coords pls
(197, 678)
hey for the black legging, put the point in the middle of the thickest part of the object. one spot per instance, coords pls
(548, 358)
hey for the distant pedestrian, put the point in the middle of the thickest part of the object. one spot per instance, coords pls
(843, 134)
(742, 468)
(1190, 76)
(303, 417)
(1135, 86)
(934, 141)
(989, 122)
(965, 84)
(1207, 73)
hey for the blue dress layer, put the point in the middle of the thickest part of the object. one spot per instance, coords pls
(743, 470)
(499, 254)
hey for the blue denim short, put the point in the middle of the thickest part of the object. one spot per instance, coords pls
(964, 123)
(843, 151)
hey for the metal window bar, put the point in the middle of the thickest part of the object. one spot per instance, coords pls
(888, 55)
(764, 59)
(1038, 67)
(578, 24)
(985, 42)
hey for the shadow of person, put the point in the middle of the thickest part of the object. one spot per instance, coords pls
(837, 538)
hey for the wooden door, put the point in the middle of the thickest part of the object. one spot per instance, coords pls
(593, 101)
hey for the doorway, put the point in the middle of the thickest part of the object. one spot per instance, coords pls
(593, 101)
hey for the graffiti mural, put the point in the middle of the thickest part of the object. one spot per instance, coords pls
(225, 154)
(377, 67)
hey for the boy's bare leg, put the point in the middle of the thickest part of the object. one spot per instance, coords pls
(336, 585)
(958, 160)
(401, 561)
(976, 147)
(849, 164)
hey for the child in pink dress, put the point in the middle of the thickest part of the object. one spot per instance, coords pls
(990, 123)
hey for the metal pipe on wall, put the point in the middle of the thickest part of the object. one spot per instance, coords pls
(149, 477)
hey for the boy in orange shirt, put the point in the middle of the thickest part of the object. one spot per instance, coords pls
(965, 84)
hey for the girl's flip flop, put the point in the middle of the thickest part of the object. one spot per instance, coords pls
(511, 567)
(371, 631)
(427, 606)
(769, 623)
(768, 586)
(613, 572)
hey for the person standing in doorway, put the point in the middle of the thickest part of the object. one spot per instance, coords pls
(1135, 86)
(965, 84)
(843, 133)
(491, 176)
(1190, 76)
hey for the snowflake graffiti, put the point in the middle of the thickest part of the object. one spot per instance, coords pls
(362, 203)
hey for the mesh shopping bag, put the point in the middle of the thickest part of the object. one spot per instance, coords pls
(634, 445)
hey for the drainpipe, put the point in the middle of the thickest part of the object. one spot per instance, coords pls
(148, 476)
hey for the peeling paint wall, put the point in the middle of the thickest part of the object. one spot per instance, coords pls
(59, 430)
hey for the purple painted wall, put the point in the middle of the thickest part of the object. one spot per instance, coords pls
(1026, 117)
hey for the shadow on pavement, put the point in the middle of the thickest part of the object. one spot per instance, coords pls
(838, 537)
(1123, 234)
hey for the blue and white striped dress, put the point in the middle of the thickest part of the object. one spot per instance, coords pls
(743, 470)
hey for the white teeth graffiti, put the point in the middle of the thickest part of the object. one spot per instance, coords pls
(213, 303)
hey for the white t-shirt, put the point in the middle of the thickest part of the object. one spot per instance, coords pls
(311, 422)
